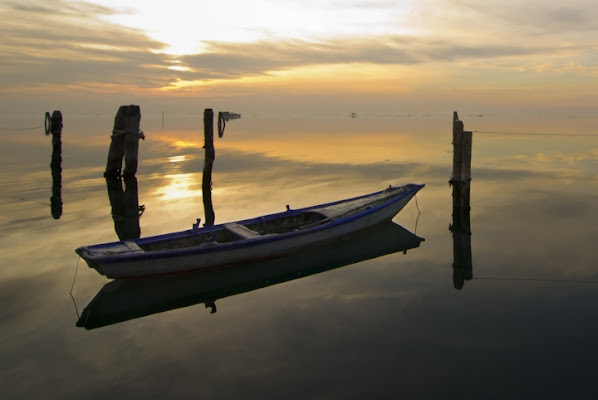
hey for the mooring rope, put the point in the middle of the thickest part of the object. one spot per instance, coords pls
(47, 126)
(21, 129)
(536, 133)
(418, 214)
(138, 132)
(23, 199)
(72, 286)
(536, 280)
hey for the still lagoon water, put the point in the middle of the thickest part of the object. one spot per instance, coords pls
(367, 320)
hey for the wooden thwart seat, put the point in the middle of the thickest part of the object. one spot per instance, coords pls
(133, 246)
(241, 230)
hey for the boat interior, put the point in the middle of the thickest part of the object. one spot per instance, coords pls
(234, 231)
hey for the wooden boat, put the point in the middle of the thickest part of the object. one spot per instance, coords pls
(253, 239)
(122, 300)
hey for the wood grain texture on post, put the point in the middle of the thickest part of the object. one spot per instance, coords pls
(462, 142)
(125, 142)
(457, 147)
(132, 136)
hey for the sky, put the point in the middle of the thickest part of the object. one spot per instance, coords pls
(312, 55)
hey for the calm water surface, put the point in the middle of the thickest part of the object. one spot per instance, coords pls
(520, 324)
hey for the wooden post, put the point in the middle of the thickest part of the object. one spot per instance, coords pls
(56, 165)
(117, 145)
(457, 147)
(461, 178)
(132, 136)
(461, 183)
(125, 142)
(210, 154)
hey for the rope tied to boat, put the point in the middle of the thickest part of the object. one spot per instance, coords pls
(73, 286)
(417, 219)
(119, 132)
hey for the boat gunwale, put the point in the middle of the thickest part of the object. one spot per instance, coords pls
(243, 243)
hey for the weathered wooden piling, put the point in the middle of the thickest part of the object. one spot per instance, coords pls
(462, 141)
(125, 142)
(55, 127)
(210, 154)
(461, 184)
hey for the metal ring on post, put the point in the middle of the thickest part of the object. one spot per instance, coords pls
(48, 123)
(221, 124)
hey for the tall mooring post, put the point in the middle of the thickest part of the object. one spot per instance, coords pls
(54, 126)
(210, 154)
(461, 183)
(125, 142)
(461, 161)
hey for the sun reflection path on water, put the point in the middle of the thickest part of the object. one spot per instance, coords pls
(180, 186)
(176, 159)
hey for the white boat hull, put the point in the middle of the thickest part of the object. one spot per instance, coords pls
(185, 260)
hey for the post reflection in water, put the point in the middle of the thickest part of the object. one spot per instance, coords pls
(122, 300)
(461, 230)
(126, 210)
(55, 128)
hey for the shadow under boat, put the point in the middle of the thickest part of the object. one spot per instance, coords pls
(123, 300)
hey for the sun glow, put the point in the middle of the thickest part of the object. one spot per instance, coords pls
(179, 68)
(186, 26)
(186, 144)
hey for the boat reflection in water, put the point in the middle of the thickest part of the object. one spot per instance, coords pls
(122, 300)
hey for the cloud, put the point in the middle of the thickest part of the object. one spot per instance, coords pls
(61, 8)
(226, 60)
(554, 18)
(56, 45)
(69, 44)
